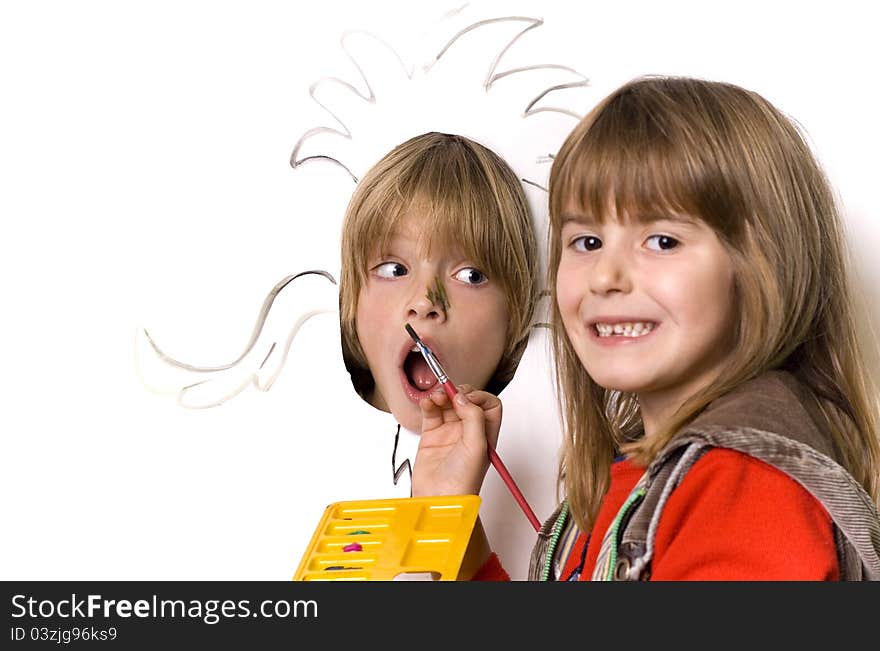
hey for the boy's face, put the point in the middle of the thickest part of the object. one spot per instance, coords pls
(452, 305)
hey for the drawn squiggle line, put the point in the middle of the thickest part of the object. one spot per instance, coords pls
(530, 110)
(253, 378)
(223, 370)
(457, 10)
(487, 83)
(491, 78)
(371, 98)
(397, 471)
(258, 328)
(534, 184)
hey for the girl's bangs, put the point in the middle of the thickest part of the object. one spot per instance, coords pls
(645, 154)
(636, 176)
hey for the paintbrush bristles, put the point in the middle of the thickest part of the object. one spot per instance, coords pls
(412, 333)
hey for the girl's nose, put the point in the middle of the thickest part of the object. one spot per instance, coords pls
(610, 273)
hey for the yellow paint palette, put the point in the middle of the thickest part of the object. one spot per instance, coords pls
(411, 538)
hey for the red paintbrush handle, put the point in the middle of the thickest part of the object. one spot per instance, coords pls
(514, 489)
(451, 391)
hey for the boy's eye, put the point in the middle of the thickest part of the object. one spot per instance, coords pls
(390, 270)
(586, 243)
(471, 276)
(662, 242)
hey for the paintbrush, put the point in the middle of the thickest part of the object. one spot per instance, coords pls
(451, 391)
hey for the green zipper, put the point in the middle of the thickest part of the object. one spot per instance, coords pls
(636, 495)
(558, 526)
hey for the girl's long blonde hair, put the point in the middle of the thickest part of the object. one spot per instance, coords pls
(468, 198)
(726, 155)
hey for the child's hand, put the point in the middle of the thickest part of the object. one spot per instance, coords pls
(453, 455)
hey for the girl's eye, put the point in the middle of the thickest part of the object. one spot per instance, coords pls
(471, 276)
(662, 242)
(390, 270)
(586, 243)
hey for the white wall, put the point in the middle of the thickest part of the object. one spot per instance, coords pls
(144, 182)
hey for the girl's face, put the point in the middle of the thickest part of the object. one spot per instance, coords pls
(647, 305)
(456, 310)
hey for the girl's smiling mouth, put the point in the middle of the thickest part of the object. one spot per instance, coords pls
(609, 331)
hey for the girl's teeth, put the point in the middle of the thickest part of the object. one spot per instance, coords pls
(635, 329)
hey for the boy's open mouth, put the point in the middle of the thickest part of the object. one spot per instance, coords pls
(417, 372)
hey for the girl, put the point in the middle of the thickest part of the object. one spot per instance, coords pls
(719, 423)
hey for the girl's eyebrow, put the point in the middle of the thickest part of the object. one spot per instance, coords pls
(575, 218)
(676, 217)
(645, 218)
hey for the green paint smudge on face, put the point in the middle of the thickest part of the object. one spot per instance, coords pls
(437, 295)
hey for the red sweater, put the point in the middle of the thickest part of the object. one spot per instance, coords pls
(733, 517)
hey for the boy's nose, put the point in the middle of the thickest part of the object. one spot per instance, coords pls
(421, 307)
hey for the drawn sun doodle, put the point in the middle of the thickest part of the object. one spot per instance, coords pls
(472, 83)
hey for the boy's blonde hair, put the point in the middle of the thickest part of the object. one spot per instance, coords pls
(470, 200)
(725, 155)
